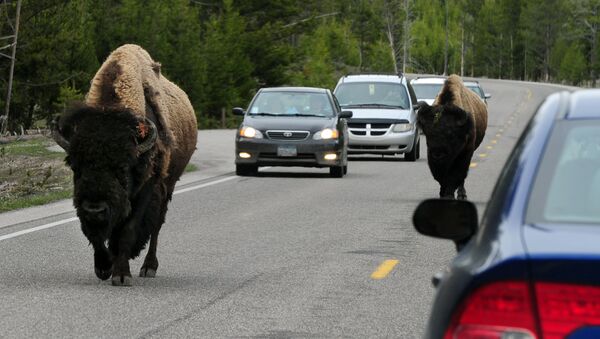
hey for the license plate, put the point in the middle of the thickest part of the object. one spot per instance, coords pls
(287, 151)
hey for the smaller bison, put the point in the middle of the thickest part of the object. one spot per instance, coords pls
(127, 145)
(454, 126)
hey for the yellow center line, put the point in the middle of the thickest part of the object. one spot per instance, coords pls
(483, 155)
(489, 147)
(473, 165)
(498, 135)
(384, 269)
(494, 141)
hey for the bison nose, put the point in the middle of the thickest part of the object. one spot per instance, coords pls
(94, 207)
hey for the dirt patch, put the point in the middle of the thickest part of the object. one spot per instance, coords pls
(31, 173)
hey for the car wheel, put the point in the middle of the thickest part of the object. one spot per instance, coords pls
(345, 169)
(246, 170)
(412, 155)
(336, 171)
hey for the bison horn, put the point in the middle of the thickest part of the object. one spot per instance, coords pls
(58, 137)
(150, 138)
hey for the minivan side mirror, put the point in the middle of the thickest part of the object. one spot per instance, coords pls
(238, 111)
(345, 114)
(487, 95)
(447, 219)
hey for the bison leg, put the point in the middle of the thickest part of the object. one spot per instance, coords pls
(461, 193)
(150, 265)
(446, 192)
(102, 261)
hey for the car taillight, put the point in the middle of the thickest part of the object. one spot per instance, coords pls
(564, 308)
(497, 310)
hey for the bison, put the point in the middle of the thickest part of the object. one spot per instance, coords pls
(127, 145)
(454, 126)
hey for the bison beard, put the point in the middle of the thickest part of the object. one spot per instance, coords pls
(124, 159)
(454, 126)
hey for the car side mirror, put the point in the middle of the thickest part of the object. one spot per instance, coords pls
(345, 114)
(447, 219)
(238, 111)
(487, 95)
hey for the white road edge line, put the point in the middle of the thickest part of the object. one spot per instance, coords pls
(64, 221)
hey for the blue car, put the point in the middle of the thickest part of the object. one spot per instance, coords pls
(531, 267)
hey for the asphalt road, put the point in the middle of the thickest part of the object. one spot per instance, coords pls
(287, 254)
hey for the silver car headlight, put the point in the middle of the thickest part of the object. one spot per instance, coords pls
(250, 132)
(402, 128)
(325, 134)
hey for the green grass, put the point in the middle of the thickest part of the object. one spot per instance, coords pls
(190, 168)
(34, 147)
(33, 200)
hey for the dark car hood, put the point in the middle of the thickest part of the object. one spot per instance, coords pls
(312, 124)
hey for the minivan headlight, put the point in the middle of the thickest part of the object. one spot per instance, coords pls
(250, 132)
(325, 134)
(402, 128)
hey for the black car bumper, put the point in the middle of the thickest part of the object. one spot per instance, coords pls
(308, 153)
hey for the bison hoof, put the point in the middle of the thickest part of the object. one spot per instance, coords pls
(122, 280)
(103, 274)
(147, 272)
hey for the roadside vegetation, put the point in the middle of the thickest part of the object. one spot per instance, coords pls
(31, 174)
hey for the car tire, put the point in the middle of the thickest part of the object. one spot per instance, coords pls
(336, 171)
(413, 154)
(246, 170)
(345, 169)
(418, 146)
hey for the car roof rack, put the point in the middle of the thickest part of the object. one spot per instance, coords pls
(399, 74)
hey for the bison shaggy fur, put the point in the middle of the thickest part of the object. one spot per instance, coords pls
(454, 127)
(127, 145)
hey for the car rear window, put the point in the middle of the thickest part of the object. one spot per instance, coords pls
(426, 91)
(372, 93)
(567, 186)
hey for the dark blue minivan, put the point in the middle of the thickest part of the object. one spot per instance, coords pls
(531, 267)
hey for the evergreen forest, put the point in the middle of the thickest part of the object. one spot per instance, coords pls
(221, 51)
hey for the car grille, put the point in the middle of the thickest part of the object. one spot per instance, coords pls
(373, 129)
(369, 147)
(288, 135)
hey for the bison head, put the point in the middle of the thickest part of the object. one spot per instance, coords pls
(448, 130)
(107, 149)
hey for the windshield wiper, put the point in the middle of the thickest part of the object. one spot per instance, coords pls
(268, 114)
(375, 105)
(307, 115)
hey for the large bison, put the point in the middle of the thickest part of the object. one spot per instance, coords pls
(127, 146)
(454, 126)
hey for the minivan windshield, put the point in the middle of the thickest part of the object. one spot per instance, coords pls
(567, 186)
(372, 94)
(287, 103)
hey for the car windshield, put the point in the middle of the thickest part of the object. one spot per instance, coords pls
(476, 89)
(286, 103)
(426, 91)
(372, 94)
(567, 187)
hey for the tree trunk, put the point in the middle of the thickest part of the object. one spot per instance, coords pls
(406, 37)
(447, 38)
(462, 48)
